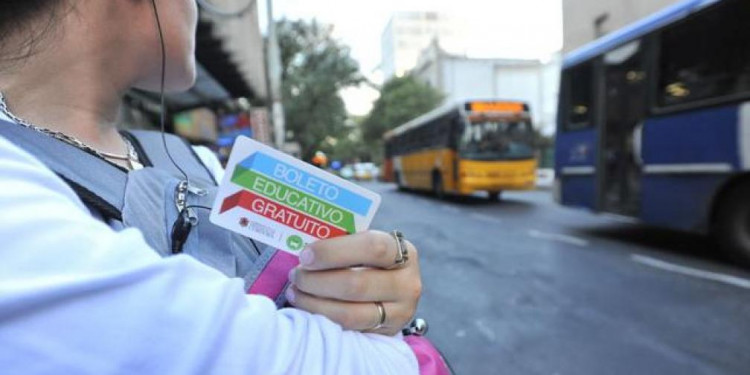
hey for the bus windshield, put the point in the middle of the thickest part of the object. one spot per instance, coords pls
(497, 139)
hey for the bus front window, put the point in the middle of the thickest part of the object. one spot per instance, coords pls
(497, 140)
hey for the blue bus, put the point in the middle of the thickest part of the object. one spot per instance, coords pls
(654, 122)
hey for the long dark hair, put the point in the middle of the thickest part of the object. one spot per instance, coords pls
(15, 19)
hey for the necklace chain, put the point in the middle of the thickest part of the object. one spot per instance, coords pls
(131, 156)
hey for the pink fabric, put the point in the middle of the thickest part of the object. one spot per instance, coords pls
(275, 276)
(430, 360)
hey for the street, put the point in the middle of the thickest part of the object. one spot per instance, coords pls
(524, 286)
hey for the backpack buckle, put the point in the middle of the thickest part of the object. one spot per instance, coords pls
(181, 229)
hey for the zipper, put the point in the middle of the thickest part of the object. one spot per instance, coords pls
(180, 195)
(183, 190)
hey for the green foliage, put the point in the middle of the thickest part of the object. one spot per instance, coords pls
(315, 67)
(545, 148)
(350, 148)
(401, 99)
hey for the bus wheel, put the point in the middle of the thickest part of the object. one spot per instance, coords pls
(494, 196)
(437, 186)
(732, 229)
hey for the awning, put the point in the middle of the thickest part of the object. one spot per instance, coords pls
(211, 54)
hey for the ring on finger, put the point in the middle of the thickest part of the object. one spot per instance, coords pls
(381, 317)
(402, 255)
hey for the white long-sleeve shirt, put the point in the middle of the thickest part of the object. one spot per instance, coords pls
(78, 298)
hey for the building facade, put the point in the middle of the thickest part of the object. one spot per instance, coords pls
(463, 78)
(587, 20)
(408, 33)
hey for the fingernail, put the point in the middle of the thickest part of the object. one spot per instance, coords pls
(292, 275)
(306, 257)
(290, 295)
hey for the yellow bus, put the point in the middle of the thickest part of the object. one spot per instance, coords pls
(464, 148)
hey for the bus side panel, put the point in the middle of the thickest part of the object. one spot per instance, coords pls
(680, 202)
(386, 170)
(687, 158)
(575, 164)
(448, 165)
(412, 171)
(707, 136)
(418, 168)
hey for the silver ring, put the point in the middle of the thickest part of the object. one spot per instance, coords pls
(381, 316)
(403, 253)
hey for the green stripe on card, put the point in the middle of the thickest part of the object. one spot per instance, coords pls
(293, 198)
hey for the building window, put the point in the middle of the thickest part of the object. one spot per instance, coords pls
(707, 56)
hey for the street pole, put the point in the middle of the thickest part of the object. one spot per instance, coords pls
(274, 72)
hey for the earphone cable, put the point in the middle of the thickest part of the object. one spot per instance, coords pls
(163, 111)
(162, 117)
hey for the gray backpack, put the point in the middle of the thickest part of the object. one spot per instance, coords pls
(147, 199)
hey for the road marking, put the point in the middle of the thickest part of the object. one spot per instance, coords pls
(487, 218)
(620, 218)
(486, 331)
(450, 209)
(559, 238)
(687, 271)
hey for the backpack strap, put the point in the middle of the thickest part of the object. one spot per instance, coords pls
(151, 144)
(431, 360)
(101, 186)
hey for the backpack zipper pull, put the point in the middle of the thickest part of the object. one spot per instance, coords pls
(197, 191)
(186, 217)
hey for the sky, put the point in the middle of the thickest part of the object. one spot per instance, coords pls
(501, 28)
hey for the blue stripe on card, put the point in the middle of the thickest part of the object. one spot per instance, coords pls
(299, 179)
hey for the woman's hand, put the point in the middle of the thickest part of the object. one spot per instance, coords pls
(343, 278)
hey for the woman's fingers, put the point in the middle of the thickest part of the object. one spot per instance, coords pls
(371, 249)
(355, 316)
(360, 284)
(343, 278)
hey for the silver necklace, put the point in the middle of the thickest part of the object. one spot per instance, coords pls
(131, 157)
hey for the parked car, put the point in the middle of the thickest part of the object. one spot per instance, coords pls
(365, 171)
(347, 172)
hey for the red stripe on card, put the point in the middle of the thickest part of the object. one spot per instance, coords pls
(231, 202)
(281, 214)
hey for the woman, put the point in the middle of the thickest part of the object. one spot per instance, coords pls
(77, 296)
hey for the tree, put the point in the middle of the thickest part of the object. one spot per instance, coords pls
(401, 99)
(350, 148)
(315, 67)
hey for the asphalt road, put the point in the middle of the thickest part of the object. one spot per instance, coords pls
(524, 286)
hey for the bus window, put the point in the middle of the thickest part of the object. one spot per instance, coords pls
(457, 128)
(580, 97)
(707, 56)
(497, 139)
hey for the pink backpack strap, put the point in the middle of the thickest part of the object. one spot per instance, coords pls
(431, 362)
(272, 278)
